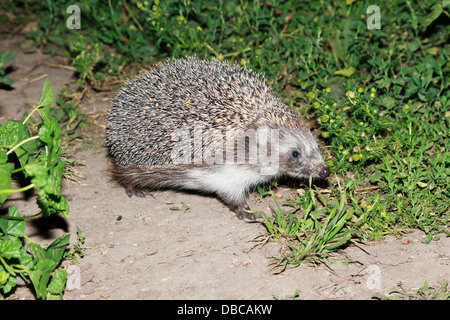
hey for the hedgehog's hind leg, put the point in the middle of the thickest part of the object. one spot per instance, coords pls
(133, 190)
(134, 179)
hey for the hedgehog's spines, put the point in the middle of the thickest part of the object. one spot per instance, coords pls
(183, 89)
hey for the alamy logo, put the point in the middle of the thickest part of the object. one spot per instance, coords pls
(253, 146)
(73, 278)
(374, 20)
(74, 20)
(374, 279)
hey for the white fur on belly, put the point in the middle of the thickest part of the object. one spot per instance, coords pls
(232, 181)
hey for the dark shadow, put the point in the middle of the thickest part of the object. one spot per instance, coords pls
(7, 87)
(45, 226)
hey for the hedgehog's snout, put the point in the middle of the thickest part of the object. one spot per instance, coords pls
(324, 171)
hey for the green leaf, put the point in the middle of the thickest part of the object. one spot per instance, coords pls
(7, 280)
(52, 204)
(46, 260)
(413, 46)
(10, 248)
(421, 184)
(54, 179)
(14, 132)
(57, 285)
(6, 80)
(38, 174)
(12, 227)
(47, 95)
(3, 277)
(7, 56)
(5, 175)
(343, 239)
(411, 90)
(4, 58)
(346, 72)
(48, 180)
(59, 245)
(50, 134)
(45, 101)
(429, 18)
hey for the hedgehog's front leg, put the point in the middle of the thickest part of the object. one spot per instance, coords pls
(241, 208)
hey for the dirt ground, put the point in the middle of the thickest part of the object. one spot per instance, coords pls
(141, 248)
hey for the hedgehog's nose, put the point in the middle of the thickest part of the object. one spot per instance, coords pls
(324, 172)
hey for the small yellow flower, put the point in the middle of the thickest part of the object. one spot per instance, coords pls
(324, 118)
(363, 204)
(350, 94)
(328, 89)
(311, 95)
(360, 90)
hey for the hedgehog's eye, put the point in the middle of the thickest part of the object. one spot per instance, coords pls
(295, 154)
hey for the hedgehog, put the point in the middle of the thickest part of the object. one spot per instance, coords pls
(207, 126)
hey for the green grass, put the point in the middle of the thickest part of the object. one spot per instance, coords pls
(424, 293)
(379, 98)
(314, 227)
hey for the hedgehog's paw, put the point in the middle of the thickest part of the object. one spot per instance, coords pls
(247, 216)
(138, 192)
(243, 213)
